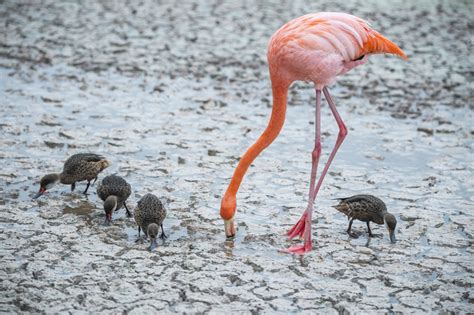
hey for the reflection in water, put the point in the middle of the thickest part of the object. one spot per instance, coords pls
(229, 247)
(84, 208)
(303, 260)
(179, 138)
(367, 243)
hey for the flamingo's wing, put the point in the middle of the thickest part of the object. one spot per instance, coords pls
(339, 33)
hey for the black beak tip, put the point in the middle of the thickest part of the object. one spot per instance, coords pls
(152, 245)
(37, 195)
(393, 240)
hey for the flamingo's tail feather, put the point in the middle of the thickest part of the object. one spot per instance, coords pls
(378, 44)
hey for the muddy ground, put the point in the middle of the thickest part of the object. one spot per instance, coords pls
(173, 95)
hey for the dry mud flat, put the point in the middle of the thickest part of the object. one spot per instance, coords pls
(172, 95)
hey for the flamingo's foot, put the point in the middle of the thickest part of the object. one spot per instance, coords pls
(299, 249)
(302, 229)
(299, 228)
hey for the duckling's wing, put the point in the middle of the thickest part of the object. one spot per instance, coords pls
(152, 210)
(367, 208)
(351, 206)
(103, 190)
(360, 209)
(114, 185)
(92, 157)
(356, 198)
(124, 191)
(74, 163)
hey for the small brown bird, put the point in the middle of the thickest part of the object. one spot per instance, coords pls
(149, 215)
(78, 167)
(114, 191)
(367, 208)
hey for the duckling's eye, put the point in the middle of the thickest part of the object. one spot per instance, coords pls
(360, 58)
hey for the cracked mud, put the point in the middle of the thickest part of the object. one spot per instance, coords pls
(173, 95)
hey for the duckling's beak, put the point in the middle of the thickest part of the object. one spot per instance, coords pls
(40, 192)
(153, 243)
(229, 228)
(392, 236)
(108, 219)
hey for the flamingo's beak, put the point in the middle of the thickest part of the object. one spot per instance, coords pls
(229, 228)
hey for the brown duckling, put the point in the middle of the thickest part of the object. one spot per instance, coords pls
(78, 167)
(367, 208)
(114, 191)
(149, 215)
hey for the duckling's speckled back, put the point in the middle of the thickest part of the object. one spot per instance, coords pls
(363, 207)
(83, 166)
(149, 210)
(116, 186)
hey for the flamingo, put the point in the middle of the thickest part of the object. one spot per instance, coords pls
(315, 47)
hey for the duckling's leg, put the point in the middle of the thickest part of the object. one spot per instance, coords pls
(73, 185)
(350, 226)
(163, 235)
(368, 227)
(349, 230)
(139, 239)
(95, 179)
(87, 187)
(128, 211)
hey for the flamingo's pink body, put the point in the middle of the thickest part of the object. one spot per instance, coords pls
(318, 48)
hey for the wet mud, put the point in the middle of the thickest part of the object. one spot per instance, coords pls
(173, 95)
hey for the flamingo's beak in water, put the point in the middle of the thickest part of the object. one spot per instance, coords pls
(229, 228)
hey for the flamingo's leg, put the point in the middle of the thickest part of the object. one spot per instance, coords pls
(303, 226)
(340, 137)
(307, 215)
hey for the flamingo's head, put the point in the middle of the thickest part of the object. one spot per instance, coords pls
(228, 206)
(47, 182)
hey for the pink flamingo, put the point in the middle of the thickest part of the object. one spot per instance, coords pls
(318, 48)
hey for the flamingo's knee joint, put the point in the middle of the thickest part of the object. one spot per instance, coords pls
(316, 152)
(342, 131)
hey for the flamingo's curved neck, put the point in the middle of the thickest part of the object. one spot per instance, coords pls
(277, 119)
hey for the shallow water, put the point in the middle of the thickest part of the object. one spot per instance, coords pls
(173, 102)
